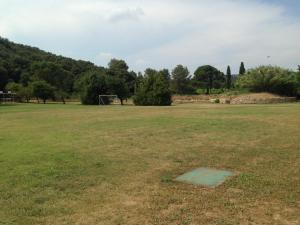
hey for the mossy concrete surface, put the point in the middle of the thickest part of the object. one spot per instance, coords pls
(205, 177)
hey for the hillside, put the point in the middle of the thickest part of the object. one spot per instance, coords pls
(20, 63)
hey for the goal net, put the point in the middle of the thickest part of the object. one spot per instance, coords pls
(109, 100)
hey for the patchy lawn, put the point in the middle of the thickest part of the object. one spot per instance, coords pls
(73, 164)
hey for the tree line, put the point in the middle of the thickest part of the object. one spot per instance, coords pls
(33, 73)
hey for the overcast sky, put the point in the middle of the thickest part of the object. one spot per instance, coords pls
(159, 34)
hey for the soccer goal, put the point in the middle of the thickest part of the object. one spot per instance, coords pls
(109, 100)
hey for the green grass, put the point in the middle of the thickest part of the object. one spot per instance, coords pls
(73, 164)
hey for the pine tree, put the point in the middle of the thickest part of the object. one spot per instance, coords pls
(242, 69)
(228, 78)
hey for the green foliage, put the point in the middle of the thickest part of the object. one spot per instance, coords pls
(166, 74)
(228, 78)
(93, 84)
(213, 91)
(3, 77)
(242, 69)
(236, 91)
(269, 79)
(53, 74)
(208, 77)
(166, 179)
(118, 69)
(24, 64)
(21, 91)
(14, 87)
(43, 90)
(117, 86)
(154, 89)
(26, 93)
(61, 95)
(181, 82)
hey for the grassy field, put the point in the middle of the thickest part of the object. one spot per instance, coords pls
(73, 164)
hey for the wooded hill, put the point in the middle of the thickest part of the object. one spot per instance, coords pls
(20, 63)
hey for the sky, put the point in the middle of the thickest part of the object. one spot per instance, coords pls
(159, 33)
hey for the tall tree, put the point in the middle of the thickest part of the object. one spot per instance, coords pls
(118, 87)
(181, 80)
(119, 70)
(242, 69)
(228, 78)
(208, 77)
(166, 74)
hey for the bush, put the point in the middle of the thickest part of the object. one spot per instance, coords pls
(91, 86)
(269, 79)
(154, 90)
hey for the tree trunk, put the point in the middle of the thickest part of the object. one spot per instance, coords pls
(44, 100)
(121, 99)
(207, 91)
(63, 100)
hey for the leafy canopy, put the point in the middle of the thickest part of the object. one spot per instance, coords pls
(181, 83)
(43, 90)
(208, 77)
(271, 79)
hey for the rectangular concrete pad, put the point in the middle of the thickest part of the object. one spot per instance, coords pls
(205, 177)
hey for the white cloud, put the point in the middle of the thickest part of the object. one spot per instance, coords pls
(157, 33)
(121, 14)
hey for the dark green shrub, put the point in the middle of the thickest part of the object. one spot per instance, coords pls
(92, 85)
(154, 90)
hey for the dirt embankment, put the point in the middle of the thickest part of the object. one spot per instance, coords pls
(193, 98)
(261, 98)
(255, 98)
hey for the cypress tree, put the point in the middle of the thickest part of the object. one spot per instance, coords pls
(228, 78)
(242, 69)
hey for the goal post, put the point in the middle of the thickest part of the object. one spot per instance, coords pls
(109, 100)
